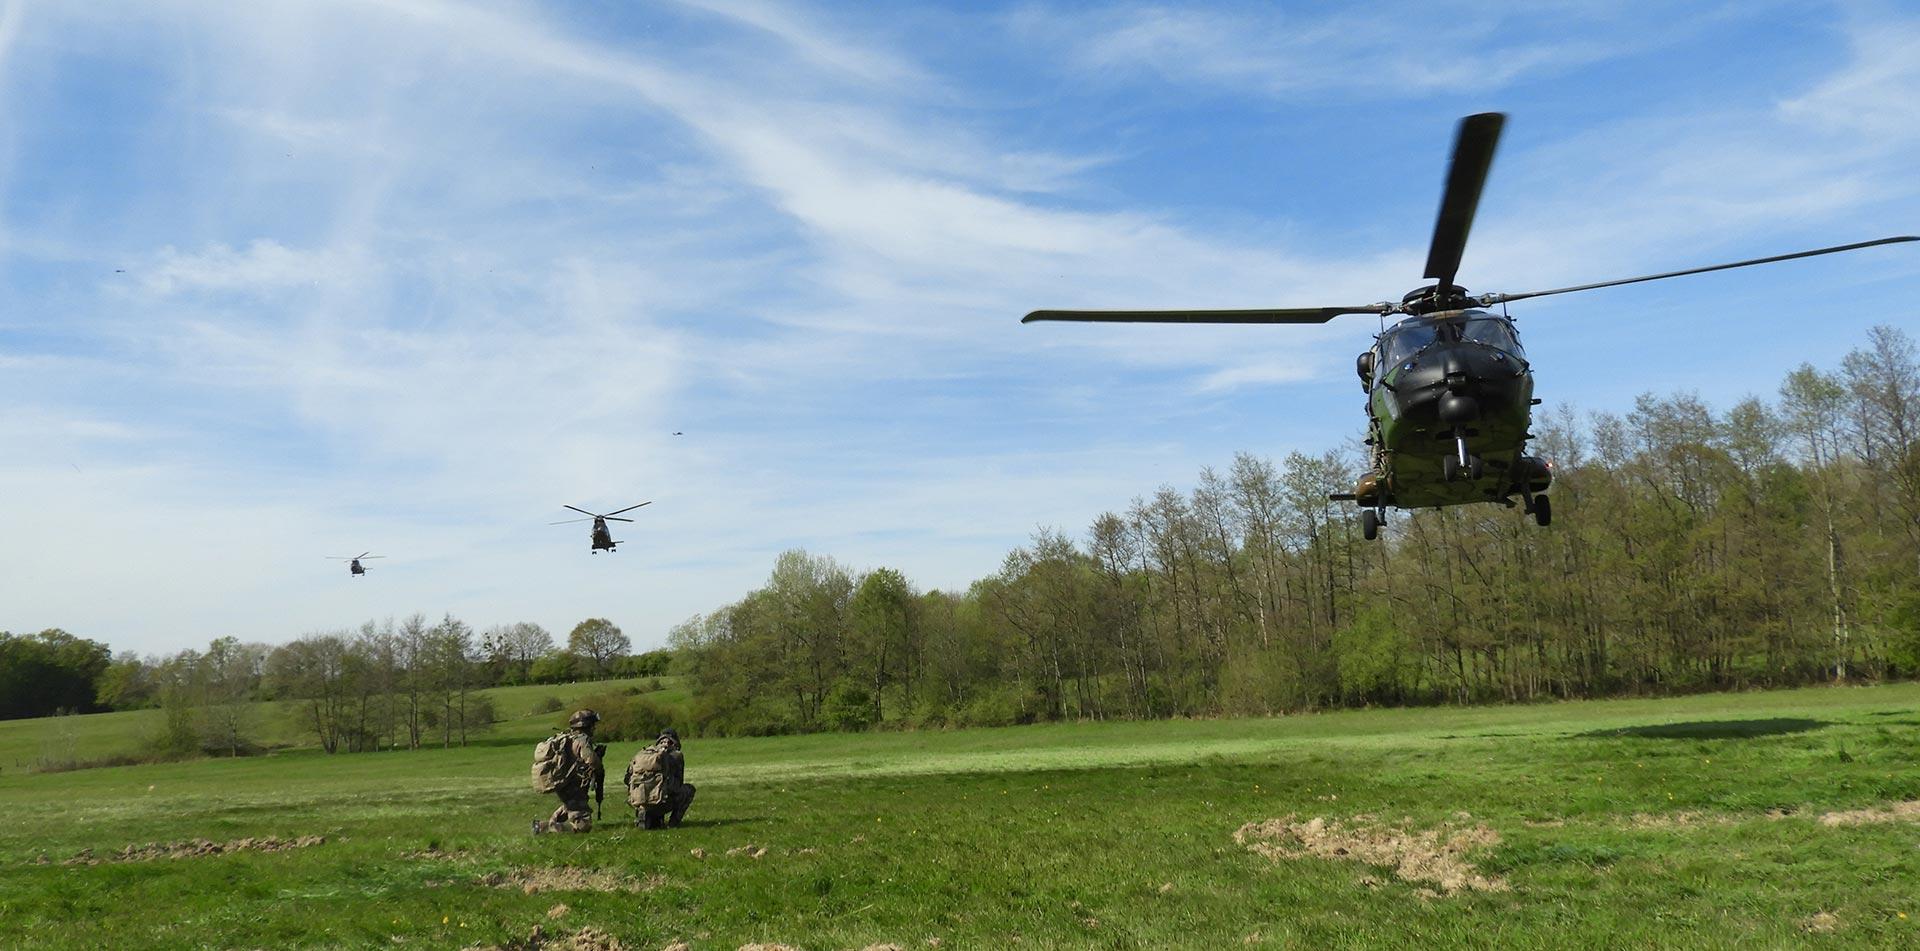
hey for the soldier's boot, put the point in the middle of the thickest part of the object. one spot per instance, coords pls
(539, 826)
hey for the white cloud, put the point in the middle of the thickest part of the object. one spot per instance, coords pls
(815, 44)
(262, 265)
(1399, 50)
(1877, 95)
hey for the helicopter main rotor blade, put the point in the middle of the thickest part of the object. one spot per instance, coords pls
(628, 509)
(571, 520)
(1297, 315)
(580, 510)
(613, 519)
(1490, 299)
(1472, 155)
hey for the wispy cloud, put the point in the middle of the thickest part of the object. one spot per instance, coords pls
(1877, 96)
(263, 264)
(1398, 50)
(815, 44)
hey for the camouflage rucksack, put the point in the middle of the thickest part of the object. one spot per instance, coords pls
(554, 762)
(647, 778)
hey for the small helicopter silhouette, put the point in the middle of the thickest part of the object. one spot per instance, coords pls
(1449, 389)
(354, 565)
(602, 538)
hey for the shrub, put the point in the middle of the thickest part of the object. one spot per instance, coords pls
(625, 717)
(848, 708)
(546, 704)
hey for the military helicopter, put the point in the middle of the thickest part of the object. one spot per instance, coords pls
(353, 564)
(602, 539)
(1450, 391)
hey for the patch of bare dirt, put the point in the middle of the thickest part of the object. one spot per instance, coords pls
(194, 848)
(586, 939)
(1685, 819)
(1434, 856)
(1825, 922)
(533, 881)
(439, 855)
(1898, 812)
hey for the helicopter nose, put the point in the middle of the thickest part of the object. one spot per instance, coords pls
(1455, 372)
(1456, 407)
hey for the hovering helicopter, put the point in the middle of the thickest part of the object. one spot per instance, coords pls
(602, 538)
(353, 563)
(1450, 391)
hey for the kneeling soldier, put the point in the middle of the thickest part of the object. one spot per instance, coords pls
(657, 786)
(568, 765)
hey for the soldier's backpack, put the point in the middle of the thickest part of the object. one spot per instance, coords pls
(647, 778)
(554, 762)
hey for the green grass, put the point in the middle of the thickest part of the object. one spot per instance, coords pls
(1687, 823)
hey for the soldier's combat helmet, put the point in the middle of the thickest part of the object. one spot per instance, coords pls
(582, 719)
(669, 734)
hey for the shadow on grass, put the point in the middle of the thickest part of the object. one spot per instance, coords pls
(692, 823)
(1716, 729)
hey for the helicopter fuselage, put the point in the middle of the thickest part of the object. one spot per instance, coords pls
(602, 538)
(1450, 398)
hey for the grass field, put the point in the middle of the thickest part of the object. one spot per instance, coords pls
(1776, 820)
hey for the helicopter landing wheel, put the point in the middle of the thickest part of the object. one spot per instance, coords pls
(1542, 511)
(1369, 524)
(1449, 468)
(1475, 467)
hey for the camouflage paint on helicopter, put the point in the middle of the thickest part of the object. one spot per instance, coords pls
(1457, 381)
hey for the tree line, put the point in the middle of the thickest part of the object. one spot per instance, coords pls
(1776, 543)
(387, 685)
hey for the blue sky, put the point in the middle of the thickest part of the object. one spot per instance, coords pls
(287, 280)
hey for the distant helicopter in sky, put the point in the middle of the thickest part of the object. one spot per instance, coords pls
(353, 563)
(602, 538)
(1449, 389)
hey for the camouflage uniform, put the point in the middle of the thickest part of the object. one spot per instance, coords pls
(679, 791)
(575, 813)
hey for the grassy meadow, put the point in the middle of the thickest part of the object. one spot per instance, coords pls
(1763, 820)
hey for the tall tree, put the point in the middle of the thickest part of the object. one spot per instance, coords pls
(595, 644)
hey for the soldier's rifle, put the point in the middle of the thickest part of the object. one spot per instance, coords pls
(599, 777)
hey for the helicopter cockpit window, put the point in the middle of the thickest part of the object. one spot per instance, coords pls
(1494, 333)
(1403, 342)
